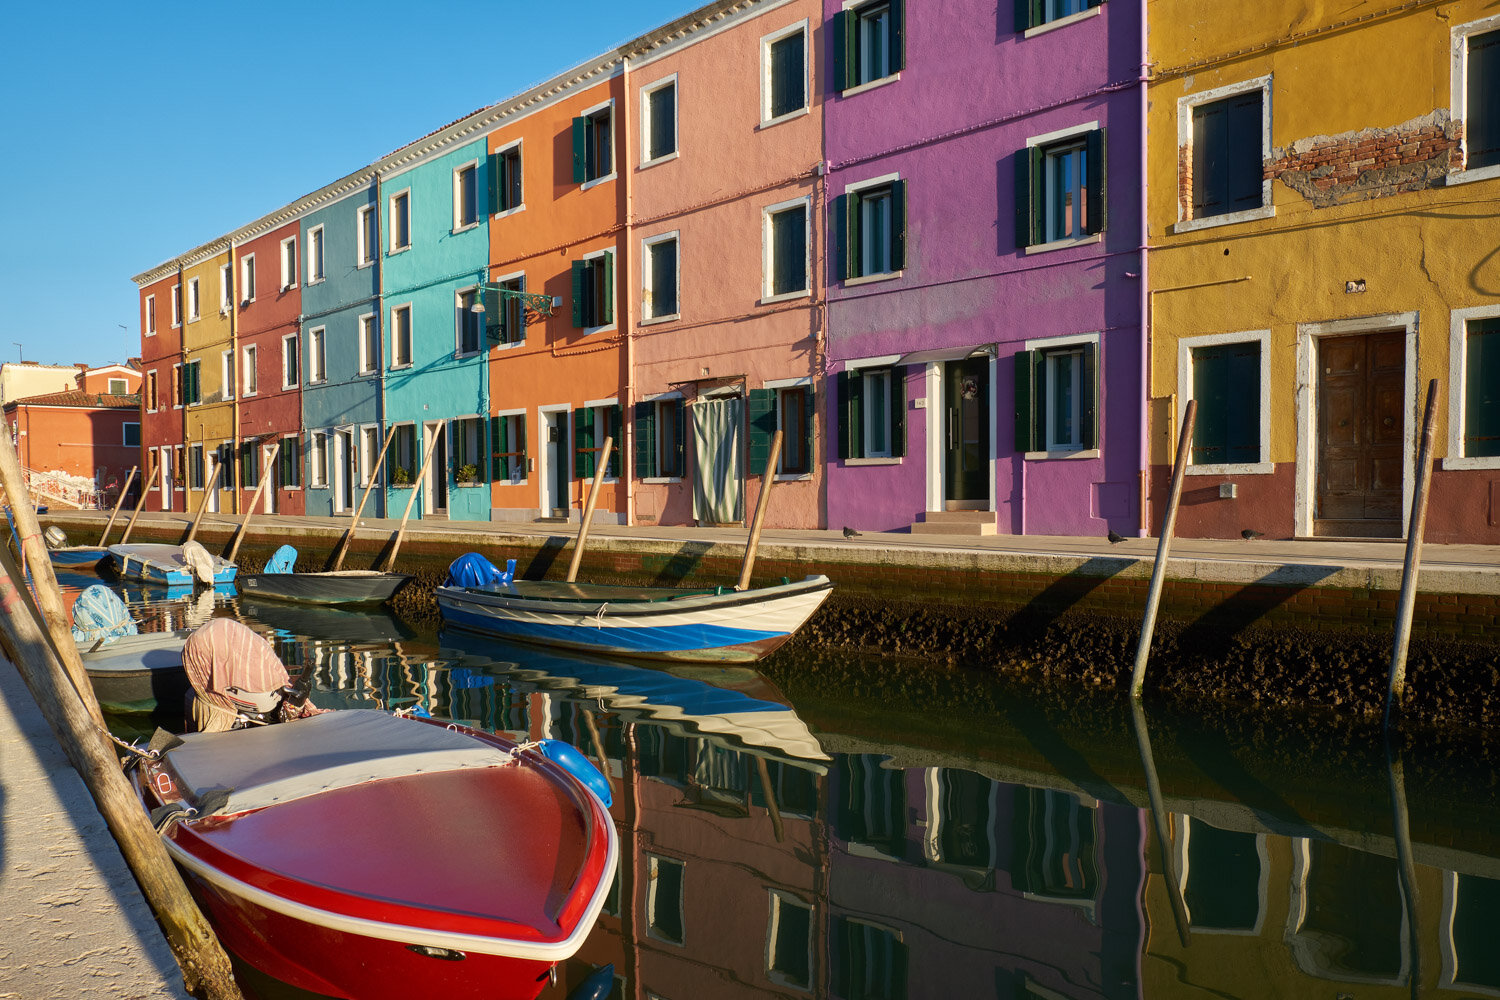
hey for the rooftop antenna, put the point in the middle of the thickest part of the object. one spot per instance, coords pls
(18, 351)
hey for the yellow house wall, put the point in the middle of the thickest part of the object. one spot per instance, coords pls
(205, 340)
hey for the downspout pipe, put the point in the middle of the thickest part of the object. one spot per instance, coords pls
(234, 390)
(1144, 395)
(628, 388)
(380, 407)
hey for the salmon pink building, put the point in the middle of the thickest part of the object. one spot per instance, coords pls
(161, 412)
(78, 436)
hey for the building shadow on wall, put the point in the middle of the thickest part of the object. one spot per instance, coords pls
(1213, 633)
(1060, 596)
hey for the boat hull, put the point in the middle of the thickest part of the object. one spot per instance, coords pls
(137, 673)
(163, 564)
(79, 555)
(348, 588)
(732, 627)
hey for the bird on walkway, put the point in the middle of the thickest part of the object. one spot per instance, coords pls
(850, 532)
(1250, 534)
(1114, 536)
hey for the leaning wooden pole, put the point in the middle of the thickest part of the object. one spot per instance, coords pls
(588, 509)
(1396, 688)
(213, 484)
(260, 489)
(1406, 866)
(760, 512)
(205, 966)
(118, 504)
(1159, 823)
(359, 512)
(147, 485)
(421, 484)
(1163, 547)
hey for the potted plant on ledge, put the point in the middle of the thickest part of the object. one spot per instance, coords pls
(401, 478)
(468, 475)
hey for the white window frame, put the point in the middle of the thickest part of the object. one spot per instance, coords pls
(460, 316)
(525, 473)
(613, 283)
(316, 262)
(194, 301)
(778, 898)
(608, 107)
(368, 452)
(390, 216)
(176, 306)
(652, 862)
(459, 226)
(1185, 348)
(125, 434)
(767, 252)
(286, 383)
(481, 466)
(648, 317)
(1062, 22)
(249, 376)
(801, 382)
(364, 248)
(226, 288)
(1085, 340)
(317, 459)
(317, 356)
(150, 315)
(766, 41)
(879, 81)
(884, 180)
(177, 390)
(519, 277)
(396, 361)
(646, 122)
(124, 386)
(1458, 76)
(247, 278)
(227, 375)
(654, 399)
(1458, 381)
(1185, 106)
(519, 147)
(289, 264)
(1058, 137)
(1183, 828)
(368, 338)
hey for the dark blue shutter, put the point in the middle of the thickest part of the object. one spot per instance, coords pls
(898, 36)
(843, 49)
(844, 251)
(615, 428)
(762, 414)
(1088, 406)
(580, 150)
(580, 271)
(1025, 226)
(645, 440)
(898, 225)
(1094, 163)
(898, 412)
(607, 296)
(1025, 362)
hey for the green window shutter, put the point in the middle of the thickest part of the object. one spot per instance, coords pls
(616, 425)
(1088, 406)
(493, 306)
(843, 49)
(807, 427)
(519, 423)
(898, 225)
(851, 414)
(497, 436)
(679, 450)
(1096, 3)
(580, 150)
(1025, 410)
(1028, 14)
(583, 443)
(645, 440)
(1025, 220)
(898, 412)
(762, 414)
(1482, 389)
(898, 37)
(1094, 160)
(579, 272)
(842, 249)
(607, 307)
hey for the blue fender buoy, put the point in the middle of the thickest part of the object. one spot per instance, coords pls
(567, 756)
(596, 986)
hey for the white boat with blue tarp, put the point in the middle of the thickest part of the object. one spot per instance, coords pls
(171, 564)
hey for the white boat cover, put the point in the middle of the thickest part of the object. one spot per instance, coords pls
(273, 764)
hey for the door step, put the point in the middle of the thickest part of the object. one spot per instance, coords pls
(973, 523)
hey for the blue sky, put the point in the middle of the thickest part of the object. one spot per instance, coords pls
(133, 132)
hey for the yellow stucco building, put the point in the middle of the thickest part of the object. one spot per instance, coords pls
(1324, 240)
(204, 381)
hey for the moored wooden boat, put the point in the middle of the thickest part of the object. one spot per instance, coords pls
(364, 855)
(659, 623)
(350, 586)
(75, 555)
(160, 563)
(137, 673)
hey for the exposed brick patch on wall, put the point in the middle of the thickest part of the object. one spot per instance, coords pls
(1331, 170)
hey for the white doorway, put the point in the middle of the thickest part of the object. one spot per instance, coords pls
(555, 466)
(435, 483)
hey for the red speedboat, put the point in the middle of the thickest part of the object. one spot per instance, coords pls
(368, 856)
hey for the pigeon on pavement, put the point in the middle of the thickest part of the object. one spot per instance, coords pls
(849, 532)
(1114, 536)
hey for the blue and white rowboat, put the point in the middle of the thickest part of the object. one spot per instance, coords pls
(156, 563)
(703, 626)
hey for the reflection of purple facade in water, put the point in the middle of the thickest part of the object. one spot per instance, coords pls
(945, 883)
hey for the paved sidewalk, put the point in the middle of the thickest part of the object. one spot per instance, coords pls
(73, 922)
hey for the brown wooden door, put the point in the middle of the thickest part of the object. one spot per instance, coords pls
(1361, 428)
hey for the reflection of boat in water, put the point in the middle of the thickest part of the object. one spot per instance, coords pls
(733, 703)
(136, 673)
(315, 621)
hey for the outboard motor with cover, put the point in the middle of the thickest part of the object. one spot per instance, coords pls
(283, 560)
(473, 570)
(55, 537)
(199, 562)
(100, 614)
(238, 680)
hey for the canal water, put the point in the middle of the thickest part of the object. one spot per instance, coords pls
(870, 829)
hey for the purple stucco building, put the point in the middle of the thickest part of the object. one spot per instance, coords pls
(984, 340)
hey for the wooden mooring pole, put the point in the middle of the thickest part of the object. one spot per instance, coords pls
(213, 485)
(118, 504)
(760, 512)
(1163, 547)
(146, 486)
(1396, 688)
(260, 489)
(420, 484)
(1159, 822)
(588, 510)
(359, 512)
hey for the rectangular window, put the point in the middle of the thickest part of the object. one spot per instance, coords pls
(1481, 403)
(192, 387)
(593, 153)
(177, 386)
(468, 450)
(659, 120)
(289, 463)
(291, 369)
(1035, 13)
(226, 374)
(872, 413)
(1222, 876)
(465, 197)
(369, 450)
(132, 435)
(1482, 101)
(226, 288)
(402, 459)
(194, 305)
(315, 270)
(288, 263)
(789, 941)
(786, 250)
(247, 278)
(659, 438)
(1054, 851)
(784, 84)
(508, 448)
(176, 306)
(250, 374)
(594, 291)
(507, 324)
(151, 397)
(469, 322)
(867, 961)
(369, 344)
(317, 459)
(364, 235)
(400, 221)
(250, 464)
(1060, 188)
(1227, 161)
(788, 409)
(1055, 397)
(400, 336)
(659, 297)
(505, 178)
(664, 900)
(118, 387)
(871, 222)
(1226, 384)
(195, 467)
(868, 43)
(151, 315)
(317, 355)
(591, 425)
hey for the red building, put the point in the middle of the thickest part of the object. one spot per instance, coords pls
(161, 392)
(265, 319)
(78, 446)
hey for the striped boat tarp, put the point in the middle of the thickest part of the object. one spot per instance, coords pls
(225, 654)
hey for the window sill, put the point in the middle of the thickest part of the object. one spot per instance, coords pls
(247, 395)
(596, 181)
(770, 300)
(194, 319)
(401, 367)
(289, 388)
(589, 331)
(469, 486)
(866, 279)
(464, 228)
(1062, 22)
(1081, 241)
(660, 480)
(668, 158)
(150, 333)
(314, 281)
(1227, 219)
(361, 267)
(509, 345)
(511, 482)
(289, 288)
(461, 355)
(781, 119)
(310, 382)
(1477, 174)
(794, 477)
(660, 319)
(1462, 462)
(871, 461)
(505, 212)
(369, 374)
(1042, 456)
(318, 486)
(393, 251)
(1232, 469)
(870, 85)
